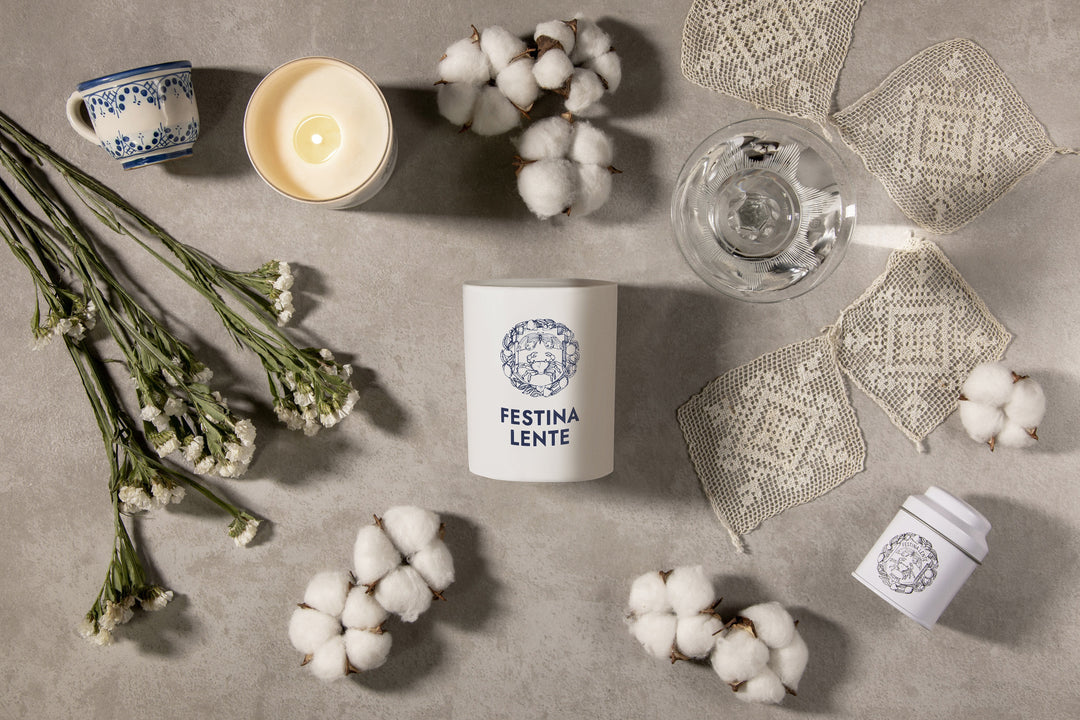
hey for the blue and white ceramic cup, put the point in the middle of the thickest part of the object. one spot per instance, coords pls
(141, 116)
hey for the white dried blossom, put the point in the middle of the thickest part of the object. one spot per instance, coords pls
(174, 406)
(155, 598)
(117, 613)
(194, 448)
(134, 498)
(242, 530)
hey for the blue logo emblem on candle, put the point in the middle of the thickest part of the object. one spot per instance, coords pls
(908, 563)
(539, 357)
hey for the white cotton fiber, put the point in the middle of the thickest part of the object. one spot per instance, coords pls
(609, 67)
(326, 592)
(982, 422)
(410, 528)
(591, 41)
(456, 102)
(585, 90)
(772, 623)
(594, 188)
(552, 69)
(590, 145)
(789, 662)
(494, 114)
(559, 31)
(373, 555)
(404, 593)
(689, 590)
(328, 662)
(1027, 403)
(989, 384)
(367, 650)
(765, 687)
(435, 565)
(465, 63)
(1014, 435)
(655, 632)
(518, 84)
(309, 628)
(545, 139)
(695, 635)
(548, 186)
(362, 611)
(738, 656)
(501, 46)
(648, 594)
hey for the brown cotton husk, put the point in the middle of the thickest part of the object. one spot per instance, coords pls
(545, 43)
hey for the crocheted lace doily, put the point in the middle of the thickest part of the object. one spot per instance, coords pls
(946, 134)
(776, 432)
(781, 55)
(780, 430)
(914, 336)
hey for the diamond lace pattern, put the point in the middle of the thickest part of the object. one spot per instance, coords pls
(946, 134)
(781, 55)
(776, 432)
(780, 430)
(914, 336)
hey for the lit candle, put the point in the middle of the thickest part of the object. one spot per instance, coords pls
(318, 130)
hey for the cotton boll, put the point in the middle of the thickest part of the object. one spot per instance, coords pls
(559, 31)
(585, 90)
(404, 593)
(1027, 403)
(326, 592)
(500, 46)
(410, 528)
(695, 635)
(989, 384)
(609, 67)
(545, 139)
(309, 628)
(494, 114)
(772, 623)
(689, 590)
(655, 632)
(592, 42)
(789, 662)
(594, 189)
(456, 102)
(435, 565)
(765, 687)
(648, 594)
(590, 145)
(548, 187)
(373, 555)
(552, 69)
(518, 84)
(738, 656)
(982, 422)
(466, 63)
(329, 662)
(1014, 435)
(367, 650)
(362, 611)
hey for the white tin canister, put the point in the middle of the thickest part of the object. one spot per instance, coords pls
(926, 554)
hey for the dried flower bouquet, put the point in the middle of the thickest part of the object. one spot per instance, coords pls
(178, 414)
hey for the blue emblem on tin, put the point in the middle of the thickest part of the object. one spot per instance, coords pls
(539, 357)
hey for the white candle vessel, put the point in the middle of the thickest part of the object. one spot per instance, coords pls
(318, 130)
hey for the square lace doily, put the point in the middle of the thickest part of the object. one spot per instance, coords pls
(913, 337)
(946, 134)
(781, 55)
(776, 432)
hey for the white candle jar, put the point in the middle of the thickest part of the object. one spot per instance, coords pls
(319, 130)
(925, 555)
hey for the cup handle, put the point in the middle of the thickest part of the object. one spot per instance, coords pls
(76, 120)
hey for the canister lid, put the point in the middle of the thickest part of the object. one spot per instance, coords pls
(953, 518)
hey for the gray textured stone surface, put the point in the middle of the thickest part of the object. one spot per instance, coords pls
(533, 627)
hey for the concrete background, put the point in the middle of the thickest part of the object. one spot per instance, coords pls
(533, 627)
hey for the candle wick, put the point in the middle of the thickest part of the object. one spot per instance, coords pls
(317, 139)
